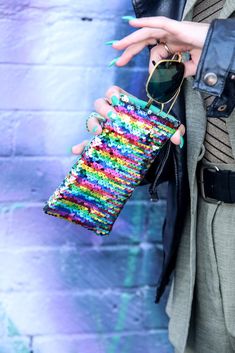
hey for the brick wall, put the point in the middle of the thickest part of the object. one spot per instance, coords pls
(63, 289)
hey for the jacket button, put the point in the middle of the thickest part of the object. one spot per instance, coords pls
(210, 78)
(232, 77)
(222, 108)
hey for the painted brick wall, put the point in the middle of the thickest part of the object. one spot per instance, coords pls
(63, 289)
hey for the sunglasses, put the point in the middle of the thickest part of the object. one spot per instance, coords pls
(164, 82)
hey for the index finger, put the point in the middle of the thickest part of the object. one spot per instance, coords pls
(143, 34)
(115, 91)
(159, 22)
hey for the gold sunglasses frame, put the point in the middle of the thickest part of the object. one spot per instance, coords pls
(174, 97)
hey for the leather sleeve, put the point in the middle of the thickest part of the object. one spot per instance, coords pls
(169, 8)
(218, 57)
(162, 168)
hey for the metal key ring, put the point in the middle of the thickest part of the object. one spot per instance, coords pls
(167, 48)
(96, 115)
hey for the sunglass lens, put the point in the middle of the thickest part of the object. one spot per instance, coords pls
(165, 80)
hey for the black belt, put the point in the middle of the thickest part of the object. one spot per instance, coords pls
(216, 185)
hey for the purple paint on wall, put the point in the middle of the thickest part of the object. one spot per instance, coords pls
(62, 288)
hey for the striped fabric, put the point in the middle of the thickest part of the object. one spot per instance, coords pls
(217, 144)
(207, 10)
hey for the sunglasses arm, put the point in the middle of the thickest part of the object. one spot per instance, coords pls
(150, 101)
(174, 99)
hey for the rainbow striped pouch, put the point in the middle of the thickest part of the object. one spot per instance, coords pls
(111, 166)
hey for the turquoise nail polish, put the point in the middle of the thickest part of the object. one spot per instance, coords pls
(128, 18)
(95, 128)
(111, 114)
(111, 42)
(143, 104)
(139, 102)
(114, 100)
(113, 61)
(181, 141)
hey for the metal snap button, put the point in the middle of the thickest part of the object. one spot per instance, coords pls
(232, 77)
(210, 78)
(222, 108)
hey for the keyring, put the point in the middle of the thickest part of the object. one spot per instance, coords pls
(96, 115)
(167, 49)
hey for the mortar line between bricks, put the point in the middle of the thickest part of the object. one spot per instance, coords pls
(93, 335)
(152, 245)
(71, 15)
(37, 158)
(45, 111)
(89, 248)
(72, 66)
(18, 204)
(95, 292)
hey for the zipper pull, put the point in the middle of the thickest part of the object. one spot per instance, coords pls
(154, 196)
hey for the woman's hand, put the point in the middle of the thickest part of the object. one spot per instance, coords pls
(104, 108)
(180, 36)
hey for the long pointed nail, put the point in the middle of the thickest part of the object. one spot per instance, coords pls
(128, 18)
(95, 128)
(111, 42)
(111, 114)
(114, 100)
(181, 141)
(74, 149)
(113, 62)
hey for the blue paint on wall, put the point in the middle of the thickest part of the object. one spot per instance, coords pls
(62, 288)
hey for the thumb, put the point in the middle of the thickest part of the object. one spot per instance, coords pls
(176, 138)
(78, 149)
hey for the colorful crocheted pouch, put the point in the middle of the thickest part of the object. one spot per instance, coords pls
(111, 166)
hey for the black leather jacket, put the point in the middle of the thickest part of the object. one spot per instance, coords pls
(218, 58)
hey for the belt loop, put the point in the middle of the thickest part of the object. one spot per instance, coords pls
(229, 186)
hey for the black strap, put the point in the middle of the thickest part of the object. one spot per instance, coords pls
(219, 185)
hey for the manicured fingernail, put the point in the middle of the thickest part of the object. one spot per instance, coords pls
(95, 128)
(138, 101)
(128, 18)
(111, 114)
(181, 141)
(73, 150)
(114, 100)
(113, 62)
(111, 42)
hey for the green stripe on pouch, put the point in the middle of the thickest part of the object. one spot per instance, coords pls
(143, 104)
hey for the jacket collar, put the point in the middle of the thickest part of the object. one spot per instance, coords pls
(188, 7)
(196, 127)
(196, 115)
(228, 9)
